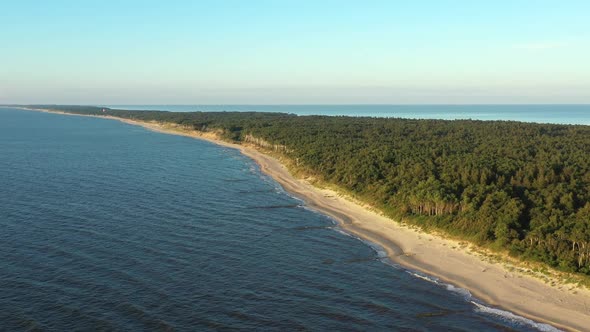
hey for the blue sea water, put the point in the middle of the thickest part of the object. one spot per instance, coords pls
(108, 226)
(561, 114)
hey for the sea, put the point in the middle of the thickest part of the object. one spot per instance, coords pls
(542, 113)
(107, 226)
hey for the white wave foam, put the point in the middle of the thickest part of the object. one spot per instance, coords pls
(381, 253)
(502, 314)
(424, 277)
(461, 291)
(508, 316)
(379, 250)
(392, 264)
(341, 231)
(304, 206)
(280, 190)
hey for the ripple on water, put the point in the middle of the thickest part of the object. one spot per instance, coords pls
(113, 227)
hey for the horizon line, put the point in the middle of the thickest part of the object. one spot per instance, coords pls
(305, 104)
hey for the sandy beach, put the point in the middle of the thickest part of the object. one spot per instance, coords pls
(562, 306)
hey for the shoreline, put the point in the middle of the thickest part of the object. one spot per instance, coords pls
(435, 256)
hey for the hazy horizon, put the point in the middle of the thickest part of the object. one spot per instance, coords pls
(302, 104)
(295, 52)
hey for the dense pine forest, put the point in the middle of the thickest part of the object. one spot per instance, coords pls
(516, 186)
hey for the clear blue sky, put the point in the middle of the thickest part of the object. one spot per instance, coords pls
(268, 52)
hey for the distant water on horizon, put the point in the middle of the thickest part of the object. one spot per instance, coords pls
(108, 226)
(558, 114)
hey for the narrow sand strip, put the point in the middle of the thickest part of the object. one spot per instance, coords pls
(524, 295)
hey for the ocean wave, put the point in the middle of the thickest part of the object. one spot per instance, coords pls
(424, 277)
(513, 318)
(379, 250)
(381, 253)
(330, 218)
(343, 232)
(390, 263)
(278, 188)
(451, 288)
(480, 308)
(461, 291)
(464, 293)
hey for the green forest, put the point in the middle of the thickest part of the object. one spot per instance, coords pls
(504, 185)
